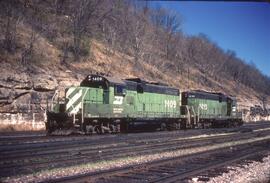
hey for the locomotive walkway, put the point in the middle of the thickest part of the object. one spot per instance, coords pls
(139, 153)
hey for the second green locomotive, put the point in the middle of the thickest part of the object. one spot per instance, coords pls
(103, 104)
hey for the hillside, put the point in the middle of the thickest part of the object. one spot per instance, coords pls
(49, 45)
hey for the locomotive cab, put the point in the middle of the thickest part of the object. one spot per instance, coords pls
(92, 104)
(95, 81)
(231, 106)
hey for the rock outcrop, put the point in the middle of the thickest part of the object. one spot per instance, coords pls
(26, 92)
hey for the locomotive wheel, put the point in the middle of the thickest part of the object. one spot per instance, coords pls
(231, 124)
(163, 127)
(239, 123)
(183, 125)
(124, 127)
(114, 128)
(172, 126)
(49, 127)
(118, 128)
(106, 128)
(178, 126)
(88, 129)
(98, 129)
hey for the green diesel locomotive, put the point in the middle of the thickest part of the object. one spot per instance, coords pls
(211, 109)
(103, 104)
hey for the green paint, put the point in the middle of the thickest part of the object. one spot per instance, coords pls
(106, 103)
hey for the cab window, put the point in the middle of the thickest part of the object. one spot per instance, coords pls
(119, 90)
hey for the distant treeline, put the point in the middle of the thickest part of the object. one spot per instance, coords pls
(148, 34)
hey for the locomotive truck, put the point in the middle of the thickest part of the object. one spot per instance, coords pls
(103, 104)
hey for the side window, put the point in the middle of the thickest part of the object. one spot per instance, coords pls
(119, 90)
(220, 98)
(139, 88)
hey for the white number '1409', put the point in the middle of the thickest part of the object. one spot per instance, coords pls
(170, 103)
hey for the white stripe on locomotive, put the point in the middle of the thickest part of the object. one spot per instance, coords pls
(70, 90)
(73, 99)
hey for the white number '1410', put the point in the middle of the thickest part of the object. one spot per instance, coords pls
(203, 106)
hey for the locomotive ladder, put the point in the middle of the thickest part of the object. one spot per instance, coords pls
(83, 104)
(192, 120)
(82, 112)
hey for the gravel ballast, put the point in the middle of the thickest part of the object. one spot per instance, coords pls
(90, 167)
(255, 172)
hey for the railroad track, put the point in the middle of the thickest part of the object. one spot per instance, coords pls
(23, 151)
(68, 151)
(177, 169)
(10, 164)
(57, 148)
(62, 158)
(58, 142)
(21, 139)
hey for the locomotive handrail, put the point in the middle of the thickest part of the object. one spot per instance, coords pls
(188, 114)
(83, 104)
(52, 102)
(198, 115)
(194, 115)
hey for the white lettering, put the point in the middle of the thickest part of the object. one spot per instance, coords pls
(203, 107)
(90, 78)
(118, 100)
(117, 110)
(170, 103)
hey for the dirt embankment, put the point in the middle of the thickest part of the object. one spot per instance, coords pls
(26, 90)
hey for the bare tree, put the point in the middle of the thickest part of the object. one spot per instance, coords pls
(132, 31)
(172, 27)
(168, 25)
(137, 33)
(12, 19)
(86, 15)
(149, 35)
(59, 4)
(27, 53)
